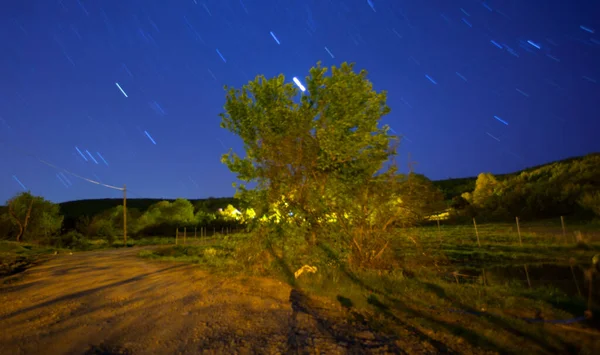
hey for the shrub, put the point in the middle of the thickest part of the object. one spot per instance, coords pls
(71, 240)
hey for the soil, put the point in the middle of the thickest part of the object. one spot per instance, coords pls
(113, 302)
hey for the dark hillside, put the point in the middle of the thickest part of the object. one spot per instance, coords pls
(456, 187)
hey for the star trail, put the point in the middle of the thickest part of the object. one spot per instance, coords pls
(491, 86)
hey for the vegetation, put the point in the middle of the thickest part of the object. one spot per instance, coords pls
(16, 257)
(565, 188)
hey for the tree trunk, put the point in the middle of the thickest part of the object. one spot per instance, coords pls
(22, 225)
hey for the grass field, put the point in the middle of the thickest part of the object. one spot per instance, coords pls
(496, 294)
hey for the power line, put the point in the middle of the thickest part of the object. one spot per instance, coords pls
(62, 169)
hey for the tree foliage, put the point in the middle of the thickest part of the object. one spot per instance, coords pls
(318, 160)
(568, 187)
(33, 217)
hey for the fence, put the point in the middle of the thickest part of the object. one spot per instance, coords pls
(202, 234)
(556, 231)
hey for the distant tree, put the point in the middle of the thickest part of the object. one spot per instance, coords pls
(181, 212)
(34, 216)
(485, 188)
(421, 196)
(19, 209)
(459, 203)
(82, 226)
(203, 218)
(591, 201)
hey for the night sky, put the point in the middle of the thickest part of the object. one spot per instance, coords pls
(129, 92)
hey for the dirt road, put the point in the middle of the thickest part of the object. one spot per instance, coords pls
(112, 302)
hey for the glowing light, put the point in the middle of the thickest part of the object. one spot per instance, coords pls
(91, 156)
(534, 44)
(122, 91)
(150, 137)
(61, 180)
(431, 79)
(299, 84)
(329, 52)
(80, 153)
(102, 158)
(19, 182)
(501, 120)
(274, 37)
(496, 44)
(221, 55)
(489, 134)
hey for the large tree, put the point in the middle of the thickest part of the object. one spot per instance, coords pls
(308, 152)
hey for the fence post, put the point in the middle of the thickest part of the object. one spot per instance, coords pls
(476, 232)
(184, 234)
(176, 235)
(562, 223)
(527, 274)
(519, 231)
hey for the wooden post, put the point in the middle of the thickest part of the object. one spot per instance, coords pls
(476, 232)
(438, 223)
(176, 235)
(124, 215)
(527, 274)
(562, 223)
(184, 234)
(575, 280)
(590, 291)
(519, 231)
(195, 232)
(484, 278)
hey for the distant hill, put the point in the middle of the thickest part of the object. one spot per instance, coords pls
(458, 186)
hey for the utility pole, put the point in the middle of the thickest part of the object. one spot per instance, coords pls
(124, 216)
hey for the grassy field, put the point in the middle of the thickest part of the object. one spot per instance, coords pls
(497, 295)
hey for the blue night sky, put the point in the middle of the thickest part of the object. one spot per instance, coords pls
(137, 86)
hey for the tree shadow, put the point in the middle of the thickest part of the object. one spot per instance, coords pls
(469, 335)
(501, 323)
(301, 303)
(76, 295)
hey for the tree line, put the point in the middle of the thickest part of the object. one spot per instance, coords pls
(566, 188)
(29, 218)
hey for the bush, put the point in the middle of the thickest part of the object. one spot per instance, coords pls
(71, 240)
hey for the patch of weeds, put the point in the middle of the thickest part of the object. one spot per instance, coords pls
(212, 256)
(18, 257)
